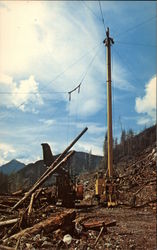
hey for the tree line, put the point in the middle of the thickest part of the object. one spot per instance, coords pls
(129, 144)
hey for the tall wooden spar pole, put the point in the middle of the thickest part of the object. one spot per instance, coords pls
(108, 42)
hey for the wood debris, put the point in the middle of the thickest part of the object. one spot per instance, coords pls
(37, 223)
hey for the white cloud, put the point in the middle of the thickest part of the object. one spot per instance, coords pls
(87, 147)
(43, 38)
(6, 151)
(143, 120)
(120, 78)
(93, 128)
(48, 122)
(19, 95)
(19, 41)
(147, 103)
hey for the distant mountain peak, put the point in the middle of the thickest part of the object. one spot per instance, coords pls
(12, 166)
(15, 161)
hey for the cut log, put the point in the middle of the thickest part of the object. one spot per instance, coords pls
(5, 211)
(18, 244)
(50, 224)
(144, 185)
(147, 203)
(4, 206)
(8, 222)
(18, 192)
(11, 231)
(8, 200)
(98, 224)
(30, 205)
(37, 192)
(6, 248)
(100, 233)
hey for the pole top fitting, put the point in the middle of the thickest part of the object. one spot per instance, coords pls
(108, 40)
(107, 32)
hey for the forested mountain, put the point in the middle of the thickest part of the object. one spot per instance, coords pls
(130, 144)
(11, 167)
(28, 175)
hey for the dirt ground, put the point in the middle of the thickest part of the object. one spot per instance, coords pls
(135, 228)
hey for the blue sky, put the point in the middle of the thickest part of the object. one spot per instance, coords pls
(47, 48)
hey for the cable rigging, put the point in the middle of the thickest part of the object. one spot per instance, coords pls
(135, 44)
(56, 77)
(126, 64)
(79, 86)
(63, 92)
(136, 26)
(102, 16)
(90, 9)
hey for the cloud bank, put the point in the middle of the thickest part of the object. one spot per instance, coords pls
(19, 95)
(147, 104)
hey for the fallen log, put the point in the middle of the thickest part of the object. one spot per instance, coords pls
(99, 235)
(6, 248)
(37, 192)
(98, 224)
(5, 211)
(18, 244)
(146, 203)
(4, 206)
(11, 231)
(8, 200)
(31, 204)
(50, 224)
(18, 192)
(8, 222)
(144, 185)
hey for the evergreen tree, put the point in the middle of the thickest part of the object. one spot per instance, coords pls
(123, 142)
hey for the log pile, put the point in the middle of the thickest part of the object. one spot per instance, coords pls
(136, 183)
(40, 225)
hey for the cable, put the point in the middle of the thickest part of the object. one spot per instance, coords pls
(135, 44)
(54, 92)
(59, 75)
(20, 105)
(77, 101)
(102, 15)
(93, 12)
(90, 64)
(126, 64)
(71, 65)
(90, 9)
(79, 86)
(136, 26)
(33, 93)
